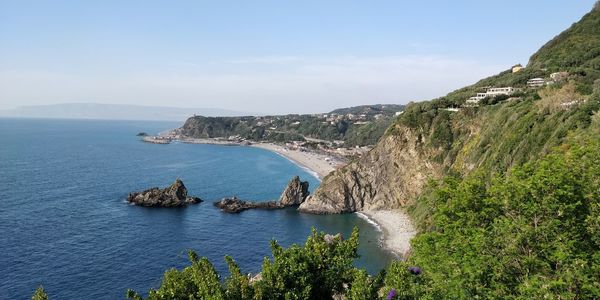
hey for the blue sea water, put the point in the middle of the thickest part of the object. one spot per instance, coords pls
(65, 224)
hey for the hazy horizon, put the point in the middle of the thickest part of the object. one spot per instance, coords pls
(264, 57)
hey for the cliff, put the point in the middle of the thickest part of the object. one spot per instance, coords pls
(428, 142)
(393, 172)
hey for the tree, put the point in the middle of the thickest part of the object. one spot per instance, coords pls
(317, 270)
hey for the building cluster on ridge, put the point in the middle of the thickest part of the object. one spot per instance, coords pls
(537, 82)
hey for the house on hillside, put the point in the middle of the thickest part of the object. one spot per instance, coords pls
(517, 68)
(559, 76)
(536, 82)
(491, 92)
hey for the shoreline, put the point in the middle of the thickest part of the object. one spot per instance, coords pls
(396, 229)
(317, 164)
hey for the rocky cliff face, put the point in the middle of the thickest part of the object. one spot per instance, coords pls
(428, 142)
(387, 177)
(173, 196)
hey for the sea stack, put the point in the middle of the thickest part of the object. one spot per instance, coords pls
(175, 195)
(294, 194)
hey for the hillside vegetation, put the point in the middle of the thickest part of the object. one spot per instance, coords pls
(355, 126)
(429, 142)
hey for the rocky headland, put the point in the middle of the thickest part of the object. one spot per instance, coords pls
(175, 195)
(294, 194)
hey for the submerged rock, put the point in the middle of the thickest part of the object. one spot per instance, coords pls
(172, 196)
(293, 195)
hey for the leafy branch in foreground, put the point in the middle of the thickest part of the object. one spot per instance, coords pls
(320, 268)
(40, 294)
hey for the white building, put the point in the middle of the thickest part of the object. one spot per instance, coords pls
(536, 82)
(474, 100)
(491, 92)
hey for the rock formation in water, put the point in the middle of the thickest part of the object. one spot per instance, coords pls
(235, 205)
(294, 194)
(172, 196)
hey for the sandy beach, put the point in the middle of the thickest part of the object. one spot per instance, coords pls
(397, 229)
(320, 164)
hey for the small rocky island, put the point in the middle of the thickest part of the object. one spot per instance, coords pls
(175, 195)
(294, 194)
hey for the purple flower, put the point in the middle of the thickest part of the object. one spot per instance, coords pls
(414, 270)
(391, 294)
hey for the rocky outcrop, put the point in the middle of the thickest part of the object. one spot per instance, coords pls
(387, 177)
(173, 196)
(293, 195)
(235, 205)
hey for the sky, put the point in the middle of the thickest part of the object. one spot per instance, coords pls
(266, 57)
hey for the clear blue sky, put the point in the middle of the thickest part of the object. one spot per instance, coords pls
(264, 56)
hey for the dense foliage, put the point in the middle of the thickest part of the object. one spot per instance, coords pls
(530, 234)
(317, 270)
(40, 294)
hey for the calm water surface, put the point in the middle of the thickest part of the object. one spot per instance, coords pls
(65, 224)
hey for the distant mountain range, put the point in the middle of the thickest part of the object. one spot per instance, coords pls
(114, 112)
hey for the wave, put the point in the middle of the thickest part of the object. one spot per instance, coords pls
(303, 167)
(370, 221)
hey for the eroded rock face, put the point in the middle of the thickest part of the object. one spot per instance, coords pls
(173, 196)
(295, 193)
(387, 177)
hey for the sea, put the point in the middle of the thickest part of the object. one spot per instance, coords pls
(65, 223)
